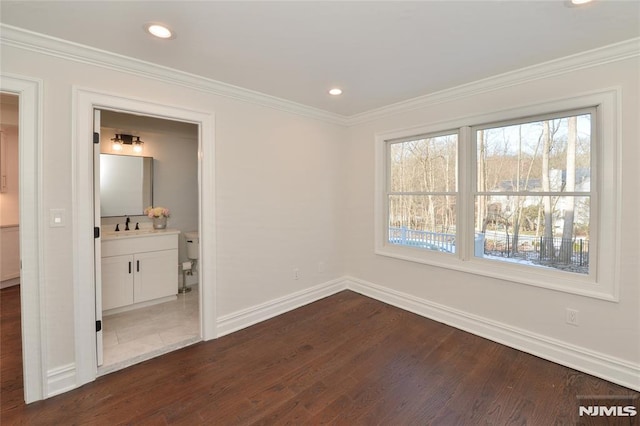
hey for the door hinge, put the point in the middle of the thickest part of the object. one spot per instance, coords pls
(96, 232)
(98, 325)
(96, 137)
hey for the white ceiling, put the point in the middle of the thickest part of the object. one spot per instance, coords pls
(379, 53)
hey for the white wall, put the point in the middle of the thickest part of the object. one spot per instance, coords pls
(278, 180)
(608, 328)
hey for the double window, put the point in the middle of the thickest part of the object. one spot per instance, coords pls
(515, 198)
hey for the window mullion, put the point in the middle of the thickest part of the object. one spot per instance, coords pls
(466, 171)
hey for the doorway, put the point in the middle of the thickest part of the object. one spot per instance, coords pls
(9, 191)
(159, 168)
(86, 269)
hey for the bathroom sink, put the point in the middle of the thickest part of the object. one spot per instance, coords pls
(132, 233)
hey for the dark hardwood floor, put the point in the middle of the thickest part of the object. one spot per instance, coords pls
(346, 359)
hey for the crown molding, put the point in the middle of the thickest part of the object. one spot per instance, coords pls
(52, 46)
(588, 59)
(59, 48)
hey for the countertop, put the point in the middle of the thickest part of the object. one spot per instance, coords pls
(144, 232)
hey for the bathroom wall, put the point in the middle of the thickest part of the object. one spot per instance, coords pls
(174, 148)
(9, 200)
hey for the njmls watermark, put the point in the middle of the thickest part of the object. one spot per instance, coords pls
(608, 405)
(608, 410)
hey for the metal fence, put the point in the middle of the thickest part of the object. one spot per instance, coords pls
(544, 250)
(556, 252)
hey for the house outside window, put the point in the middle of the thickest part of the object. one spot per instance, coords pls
(528, 195)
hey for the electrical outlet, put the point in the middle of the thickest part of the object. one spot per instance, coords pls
(296, 274)
(572, 316)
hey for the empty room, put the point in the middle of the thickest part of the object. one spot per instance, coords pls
(343, 212)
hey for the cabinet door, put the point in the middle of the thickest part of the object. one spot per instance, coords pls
(156, 275)
(117, 281)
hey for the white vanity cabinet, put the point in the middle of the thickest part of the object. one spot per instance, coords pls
(139, 268)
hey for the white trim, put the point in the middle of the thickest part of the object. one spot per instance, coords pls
(59, 48)
(84, 103)
(592, 58)
(601, 365)
(246, 317)
(605, 285)
(61, 379)
(34, 338)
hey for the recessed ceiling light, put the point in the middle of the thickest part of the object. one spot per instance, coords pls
(159, 31)
(335, 92)
(577, 2)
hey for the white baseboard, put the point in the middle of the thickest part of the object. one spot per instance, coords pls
(597, 364)
(61, 379)
(244, 318)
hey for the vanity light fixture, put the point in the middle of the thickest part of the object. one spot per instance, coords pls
(120, 140)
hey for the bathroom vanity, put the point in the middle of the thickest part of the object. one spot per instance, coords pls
(139, 268)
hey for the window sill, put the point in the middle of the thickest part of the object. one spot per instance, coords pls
(566, 282)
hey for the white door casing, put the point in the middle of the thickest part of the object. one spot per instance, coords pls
(34, 339)
(85, 102)
(97, 242)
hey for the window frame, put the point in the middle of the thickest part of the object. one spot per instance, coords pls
(602, 280)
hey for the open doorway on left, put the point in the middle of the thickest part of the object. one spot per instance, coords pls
(9, 192)
(11, 376)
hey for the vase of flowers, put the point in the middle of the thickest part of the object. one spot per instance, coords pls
(159, 216)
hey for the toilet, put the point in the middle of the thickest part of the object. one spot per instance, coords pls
(193, 245)
(193, 250)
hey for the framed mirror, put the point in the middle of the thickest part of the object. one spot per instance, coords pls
(126, 185)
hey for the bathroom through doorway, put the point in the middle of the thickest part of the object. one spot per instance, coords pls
(146, 164)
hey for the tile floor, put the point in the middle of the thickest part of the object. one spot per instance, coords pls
(134, 336)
